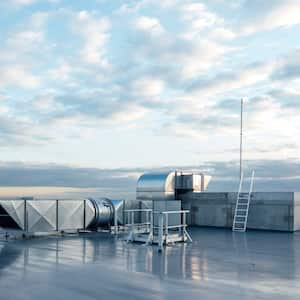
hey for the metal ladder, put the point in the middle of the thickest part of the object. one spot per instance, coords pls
(242, 207)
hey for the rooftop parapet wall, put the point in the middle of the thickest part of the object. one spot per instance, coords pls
(268, 210)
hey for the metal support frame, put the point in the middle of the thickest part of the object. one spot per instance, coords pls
(135, 228)
(164, 235)
(161, 234)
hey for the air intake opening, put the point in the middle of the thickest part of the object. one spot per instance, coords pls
(6, 220)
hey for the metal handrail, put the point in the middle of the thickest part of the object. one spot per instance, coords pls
(138, 210)
(131, 217)
(172, 212)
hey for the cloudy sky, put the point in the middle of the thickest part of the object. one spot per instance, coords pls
(109, 88)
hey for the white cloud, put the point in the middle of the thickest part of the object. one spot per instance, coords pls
(95, 33)
(175, 70)
(147, 87)
(267, 15)
(198, 17)
(18, 76)
(22, 2)
(125, 117)
(61, 72)
(234, 80)
(149, 25)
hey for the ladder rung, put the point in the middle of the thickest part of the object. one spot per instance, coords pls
(239, 222)
(241, 209)
(240, 216)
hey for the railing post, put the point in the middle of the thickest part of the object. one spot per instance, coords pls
(84, 214)
(183, 224)
(132, 219)
(115, 221)
(151, 224)
(167, 225)
(57, 215)
(25, 216)
(160, 232)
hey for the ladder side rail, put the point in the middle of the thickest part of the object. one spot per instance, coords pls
(249, 198)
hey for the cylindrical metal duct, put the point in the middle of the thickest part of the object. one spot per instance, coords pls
(104, 212)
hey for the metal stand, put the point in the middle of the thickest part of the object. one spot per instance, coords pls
(161, 234)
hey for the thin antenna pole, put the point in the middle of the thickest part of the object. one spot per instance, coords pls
(241, 140)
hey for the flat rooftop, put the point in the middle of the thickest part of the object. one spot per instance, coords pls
(217, 265)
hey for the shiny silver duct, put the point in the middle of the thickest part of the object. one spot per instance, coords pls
(38, 215)
(156, 186)
(169, 185)
(106, 210)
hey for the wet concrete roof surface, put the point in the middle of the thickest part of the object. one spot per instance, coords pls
(217, 265)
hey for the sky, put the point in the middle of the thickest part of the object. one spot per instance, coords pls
(95, 92)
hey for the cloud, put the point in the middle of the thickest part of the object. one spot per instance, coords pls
(267, 15)
(187, 56)
(21, 3)
(289, 67)
(17, 75)
(177, 65)
(16, 133)
(149, 25)
(232, 80)
(95, 33)
(146, 87)
(19, 52)
(86, 110)
(271, 175)
(199, 21)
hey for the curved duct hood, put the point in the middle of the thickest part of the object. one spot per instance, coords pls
(169, 185)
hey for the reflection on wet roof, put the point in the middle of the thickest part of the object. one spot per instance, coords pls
(217, 265)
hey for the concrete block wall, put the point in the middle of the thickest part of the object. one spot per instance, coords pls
(268, 210)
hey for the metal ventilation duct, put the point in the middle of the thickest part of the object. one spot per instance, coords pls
(169, 185)
(59, 215)
(156, 186)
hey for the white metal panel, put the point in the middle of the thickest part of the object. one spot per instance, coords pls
(41, 215)
(89, 212)
(70, 214)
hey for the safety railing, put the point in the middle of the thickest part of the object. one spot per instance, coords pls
(164, 234)
(134, 221)
(158, 225)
